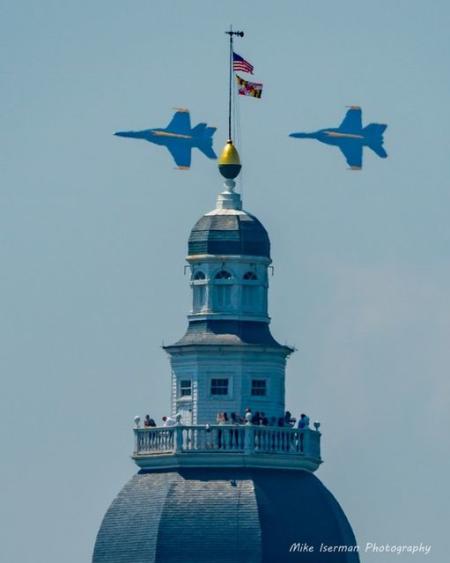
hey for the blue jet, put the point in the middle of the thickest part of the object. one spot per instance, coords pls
(179, 138)
(351, 137)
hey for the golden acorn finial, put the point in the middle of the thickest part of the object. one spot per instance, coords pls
(229, 161)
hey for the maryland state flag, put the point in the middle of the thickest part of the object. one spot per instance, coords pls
(246, 88)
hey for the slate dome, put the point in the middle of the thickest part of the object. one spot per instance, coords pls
(229, 232)
(223, 516)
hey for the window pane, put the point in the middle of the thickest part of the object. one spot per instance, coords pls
(250, 276)
(259, 387)
(199, 276)
(185, 388)
(219, 386)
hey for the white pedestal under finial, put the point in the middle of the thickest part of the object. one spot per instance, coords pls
(229, 199)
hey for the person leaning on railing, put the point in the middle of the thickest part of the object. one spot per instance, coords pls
(168, 421)
(149, 422)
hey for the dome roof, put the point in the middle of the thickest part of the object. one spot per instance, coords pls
(229, 231)
(225, 516)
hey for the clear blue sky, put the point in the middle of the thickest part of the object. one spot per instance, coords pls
(94, 230)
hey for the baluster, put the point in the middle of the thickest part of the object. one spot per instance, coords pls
(290, 441)
(230, 436)
(249, 439)
(241, 438)
(201, 434)
(238, 437)
(217, 437)
(226, 439)
(210, 438)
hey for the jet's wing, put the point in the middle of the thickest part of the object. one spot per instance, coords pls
(353, 153)
(352, 122)
(181, 153)
(180, 122)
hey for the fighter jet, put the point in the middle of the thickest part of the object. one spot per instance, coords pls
(351, 137)
(179, 138)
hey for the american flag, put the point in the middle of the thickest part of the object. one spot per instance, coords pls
(241, 64)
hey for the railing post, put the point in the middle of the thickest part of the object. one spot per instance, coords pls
(178, 443)
(249, 436)
(136, 440)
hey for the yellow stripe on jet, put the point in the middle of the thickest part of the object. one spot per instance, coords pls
(168, 134)
(345, 135)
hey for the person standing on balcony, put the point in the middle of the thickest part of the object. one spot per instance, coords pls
(303, 422)
(235, 419)
(256, 418)
(222, 418)
(149, 422)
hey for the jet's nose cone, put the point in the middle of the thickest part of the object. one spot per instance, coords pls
(302, 135)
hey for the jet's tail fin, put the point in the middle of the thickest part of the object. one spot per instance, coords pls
(378, 149)
(375, 129)
(198, 130)
(203, 131)
(207, 149)
(203, 135)
(209, 131)
(374, 133)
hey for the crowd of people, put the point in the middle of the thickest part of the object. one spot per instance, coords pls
(256, 418)
(259, 418)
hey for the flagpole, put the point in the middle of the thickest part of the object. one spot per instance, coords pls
(230, 81)
(230, 88)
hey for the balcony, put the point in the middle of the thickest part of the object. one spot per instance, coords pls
(222, 446)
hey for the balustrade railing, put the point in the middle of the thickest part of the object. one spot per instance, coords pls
(247, 439)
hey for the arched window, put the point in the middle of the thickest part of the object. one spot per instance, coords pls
(199, 291)
(250, 276)
(223, 275)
